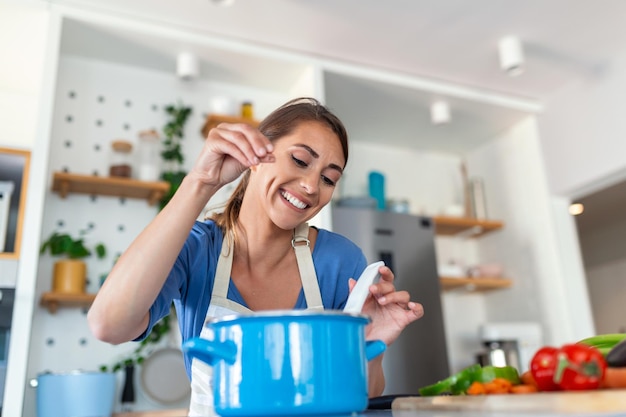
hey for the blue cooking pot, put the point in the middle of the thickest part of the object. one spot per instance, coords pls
(288, 362)
(75, 394)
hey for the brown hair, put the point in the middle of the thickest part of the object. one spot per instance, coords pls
(279, 123)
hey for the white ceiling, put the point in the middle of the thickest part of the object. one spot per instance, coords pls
(455, 41)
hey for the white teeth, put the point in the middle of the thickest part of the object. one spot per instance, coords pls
(297, 203)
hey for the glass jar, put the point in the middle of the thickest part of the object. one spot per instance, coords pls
(121, 159)
(247, 111)
(149, 167)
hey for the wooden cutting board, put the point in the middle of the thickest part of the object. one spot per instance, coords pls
(582, 402)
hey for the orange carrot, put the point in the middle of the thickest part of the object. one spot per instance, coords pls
(477, 388)
(523, 389)
(527, 379)
(614, 378)
(498, 386)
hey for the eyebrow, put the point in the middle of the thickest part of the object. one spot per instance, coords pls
(316, 155)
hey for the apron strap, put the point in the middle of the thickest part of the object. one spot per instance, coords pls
(302, 246)
(223, 269)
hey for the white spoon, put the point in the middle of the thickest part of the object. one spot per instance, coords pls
(359, 293)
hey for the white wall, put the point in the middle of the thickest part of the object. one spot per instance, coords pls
(27, 42)
(23, 29)
(582, 138)
(582, 133)
(429, 181)
(516, 187)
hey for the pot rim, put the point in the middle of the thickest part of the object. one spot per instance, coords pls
(278, 314)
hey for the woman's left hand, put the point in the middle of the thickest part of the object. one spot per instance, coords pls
(390, 310)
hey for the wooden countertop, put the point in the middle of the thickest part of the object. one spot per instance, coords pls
(596, 403)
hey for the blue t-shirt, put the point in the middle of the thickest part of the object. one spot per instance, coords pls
(190, 282)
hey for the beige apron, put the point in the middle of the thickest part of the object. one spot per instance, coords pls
(201, 373)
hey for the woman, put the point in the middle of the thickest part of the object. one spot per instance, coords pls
(243, 259)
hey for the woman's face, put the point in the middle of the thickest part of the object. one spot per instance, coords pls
(293, 189)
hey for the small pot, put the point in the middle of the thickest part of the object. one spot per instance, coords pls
(75, 393)
(288, 362)
(69, 277)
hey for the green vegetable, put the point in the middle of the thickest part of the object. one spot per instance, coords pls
(458, 384)
(489, 373)
(455, 384)
(604, 342)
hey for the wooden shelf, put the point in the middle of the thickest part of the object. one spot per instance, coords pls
(52, 301)
(213, 120)
(453, 226)
(474, 283)
(65, 183)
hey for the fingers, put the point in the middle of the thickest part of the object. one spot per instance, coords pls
(386, 295)
(242, 142)
(415, 310)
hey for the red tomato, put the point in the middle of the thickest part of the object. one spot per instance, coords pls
(543, 366)
(579, 367)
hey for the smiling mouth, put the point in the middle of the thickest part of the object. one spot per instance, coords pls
(293, 200)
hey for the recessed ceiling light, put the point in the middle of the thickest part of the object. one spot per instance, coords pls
(576, 209)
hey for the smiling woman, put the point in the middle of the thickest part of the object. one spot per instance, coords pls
(14, 168)
(259, 253)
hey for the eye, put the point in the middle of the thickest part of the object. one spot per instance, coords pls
(328, 181)
(299, 162)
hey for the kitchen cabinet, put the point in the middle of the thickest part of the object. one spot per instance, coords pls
(65, 183)
(52, 301)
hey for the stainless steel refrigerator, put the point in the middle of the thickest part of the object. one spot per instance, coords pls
(406, 243)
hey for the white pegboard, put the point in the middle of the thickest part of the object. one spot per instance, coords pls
(97, 102)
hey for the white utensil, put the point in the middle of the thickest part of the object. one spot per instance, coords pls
(359, 293)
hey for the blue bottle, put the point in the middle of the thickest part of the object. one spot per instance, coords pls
(377, 188)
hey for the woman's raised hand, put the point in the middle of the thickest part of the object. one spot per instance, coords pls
(229, 150)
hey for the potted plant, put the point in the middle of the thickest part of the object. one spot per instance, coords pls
(70, 272)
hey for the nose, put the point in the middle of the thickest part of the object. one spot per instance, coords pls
(310, 183)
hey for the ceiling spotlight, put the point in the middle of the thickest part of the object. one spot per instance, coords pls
(187, 66)
(223, 3)
(439, 112)
(576, 209)
(511, 55)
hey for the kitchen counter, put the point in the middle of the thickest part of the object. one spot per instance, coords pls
(401, 413)
(611, 402)
(398, 413)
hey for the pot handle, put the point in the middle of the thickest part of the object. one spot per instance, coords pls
(374, 348)
(211, 351)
